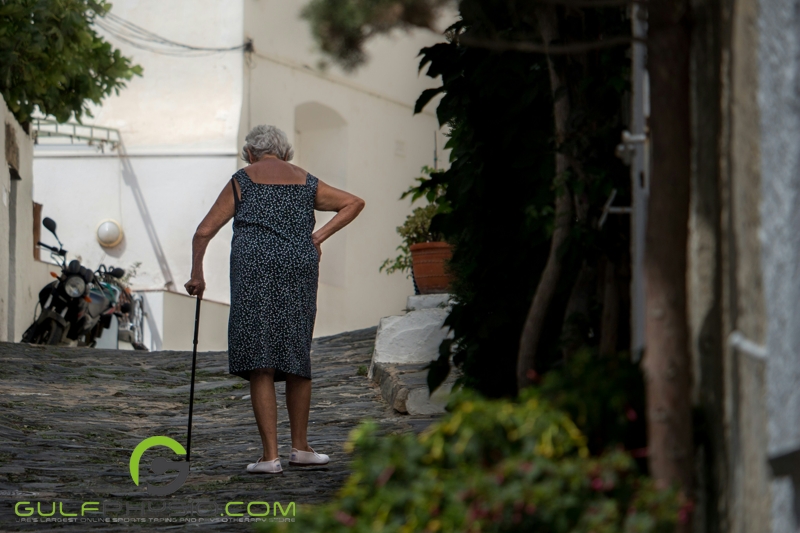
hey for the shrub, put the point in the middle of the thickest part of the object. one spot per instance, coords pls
(490, 465)
(603, 395)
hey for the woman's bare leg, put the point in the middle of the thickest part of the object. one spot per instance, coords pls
(265, 409)
(298, 403)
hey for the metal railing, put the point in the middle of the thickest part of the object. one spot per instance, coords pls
(45, 127)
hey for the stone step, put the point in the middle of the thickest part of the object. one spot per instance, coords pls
(405, 388)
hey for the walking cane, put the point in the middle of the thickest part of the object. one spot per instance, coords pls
(191, 388)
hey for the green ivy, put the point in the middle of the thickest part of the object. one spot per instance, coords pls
(498, 106)
(604, 395)
(52, 59)
(490, 466)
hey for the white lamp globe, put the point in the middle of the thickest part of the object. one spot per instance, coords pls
(109, 233)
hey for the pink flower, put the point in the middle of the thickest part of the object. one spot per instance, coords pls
(597, 484)
(639, 452)
(631, 414)
(345, 519)
(685, 512)
(384, 477)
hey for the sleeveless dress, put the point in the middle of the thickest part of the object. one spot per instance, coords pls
(274, 271)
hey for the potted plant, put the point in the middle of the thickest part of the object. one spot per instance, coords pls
(423, 253)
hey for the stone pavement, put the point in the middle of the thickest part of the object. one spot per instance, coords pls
(70, 418)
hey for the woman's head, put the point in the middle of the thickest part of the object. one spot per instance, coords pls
(266, 140)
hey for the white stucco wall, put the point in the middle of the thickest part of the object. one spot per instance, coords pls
(780, 214)
(169, 322)
(180, 103)
(377, 149)
(176, 193)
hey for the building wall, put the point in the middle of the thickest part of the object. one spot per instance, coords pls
(158, 201)
(183, 104)
(354, 131)
(780, 192)
(179, 124)
(21, 277)
(169, 324)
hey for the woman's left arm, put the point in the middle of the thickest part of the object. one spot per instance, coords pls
(219, 215)
(346, 205)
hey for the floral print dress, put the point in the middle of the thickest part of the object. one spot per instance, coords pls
(274, 272)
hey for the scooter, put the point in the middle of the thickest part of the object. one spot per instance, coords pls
(79, 304)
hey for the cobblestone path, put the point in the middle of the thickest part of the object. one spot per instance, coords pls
(70, 418)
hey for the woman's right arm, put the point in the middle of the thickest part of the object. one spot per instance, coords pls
(219, 215)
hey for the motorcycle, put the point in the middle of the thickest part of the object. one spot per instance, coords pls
(79, 304)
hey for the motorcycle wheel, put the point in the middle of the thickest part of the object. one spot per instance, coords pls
(49, 332)
(28, 335)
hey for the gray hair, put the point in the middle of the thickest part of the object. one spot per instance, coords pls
(264, 140)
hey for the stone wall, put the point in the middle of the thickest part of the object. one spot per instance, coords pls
(780, 254)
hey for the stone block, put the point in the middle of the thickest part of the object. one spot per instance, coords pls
(410, 338)
(405, 388)
(428, 301)
(419, 402)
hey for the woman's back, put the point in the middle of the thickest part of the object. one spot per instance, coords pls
(274, 215)
(275, 171)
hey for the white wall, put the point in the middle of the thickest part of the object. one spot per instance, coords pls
(180, 103)
(355, 131)
(169, 322)
(158, 203)
(179, 124)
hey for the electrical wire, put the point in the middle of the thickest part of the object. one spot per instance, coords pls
(144, 39)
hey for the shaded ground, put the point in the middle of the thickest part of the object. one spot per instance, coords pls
(70, 418)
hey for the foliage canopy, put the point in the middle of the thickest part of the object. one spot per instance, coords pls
(342, 27)
(52, 59)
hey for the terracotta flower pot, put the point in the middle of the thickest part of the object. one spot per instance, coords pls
(428, 262)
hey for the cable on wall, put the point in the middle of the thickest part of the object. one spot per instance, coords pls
(144, 39)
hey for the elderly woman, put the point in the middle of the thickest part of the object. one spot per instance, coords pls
(274, 269)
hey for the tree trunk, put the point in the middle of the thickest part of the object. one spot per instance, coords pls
(609, 321)
(573, 333)
(667, 363)
(532, 330)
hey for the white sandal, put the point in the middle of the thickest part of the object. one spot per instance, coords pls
(312, 458)
(265, 467)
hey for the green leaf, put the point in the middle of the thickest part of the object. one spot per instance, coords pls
(426, 96)
(439, 369)
(51, 58)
